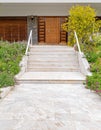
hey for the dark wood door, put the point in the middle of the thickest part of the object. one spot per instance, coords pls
(52, 30)
(13, 29)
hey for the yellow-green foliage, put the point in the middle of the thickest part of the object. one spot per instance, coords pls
(82, 20)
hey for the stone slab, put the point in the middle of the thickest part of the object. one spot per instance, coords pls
(50, 107)
(53, 75)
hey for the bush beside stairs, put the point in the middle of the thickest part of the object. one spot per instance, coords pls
(52, 64)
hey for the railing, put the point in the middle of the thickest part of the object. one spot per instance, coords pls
(84, 65)
(77, 41)
(29, 42)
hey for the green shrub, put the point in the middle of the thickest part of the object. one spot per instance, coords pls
(6, 79)
(3, 66)
(97, 40)
(94, 57)
(13, 67)
(94, 82)
(10, 56)
(96, 67)
(91, 57)
(82, 19)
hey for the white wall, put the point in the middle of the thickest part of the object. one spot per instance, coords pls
(40, 9)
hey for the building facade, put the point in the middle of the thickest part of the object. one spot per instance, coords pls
(18, 17)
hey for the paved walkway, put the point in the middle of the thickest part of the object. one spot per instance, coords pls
(50, 107)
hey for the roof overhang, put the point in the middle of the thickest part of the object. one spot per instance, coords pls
(50, 1)
(41, 9)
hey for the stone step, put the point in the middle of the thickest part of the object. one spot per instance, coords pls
(49, 49)
(54, 61)
(42, 63)
(55, 69)
(51, 52)
(47, 58)
(53, 56)
(51, 66)
(51, 77)
(52, 46)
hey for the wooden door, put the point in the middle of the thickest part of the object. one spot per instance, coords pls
(13, 28)
(52, 30)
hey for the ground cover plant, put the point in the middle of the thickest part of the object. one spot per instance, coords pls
(93, 55)
(10, 56)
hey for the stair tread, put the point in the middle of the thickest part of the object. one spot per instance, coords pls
(52, 76)
(51, 66)
(54, 62)
(52, 46)
(51, 58)
(65, 52)
(56, 67)
(53, 70)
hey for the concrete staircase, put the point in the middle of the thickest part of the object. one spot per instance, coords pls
(52, 64)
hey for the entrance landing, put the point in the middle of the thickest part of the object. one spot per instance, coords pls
(50, 107)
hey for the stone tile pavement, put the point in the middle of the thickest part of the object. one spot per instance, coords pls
(50, 107)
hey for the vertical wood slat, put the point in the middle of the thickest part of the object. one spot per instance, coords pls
(41, 29)
(63, 34)
(2, 32)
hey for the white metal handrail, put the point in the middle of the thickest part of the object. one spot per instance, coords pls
(29, 42)
(78, 44)
(84, 65)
